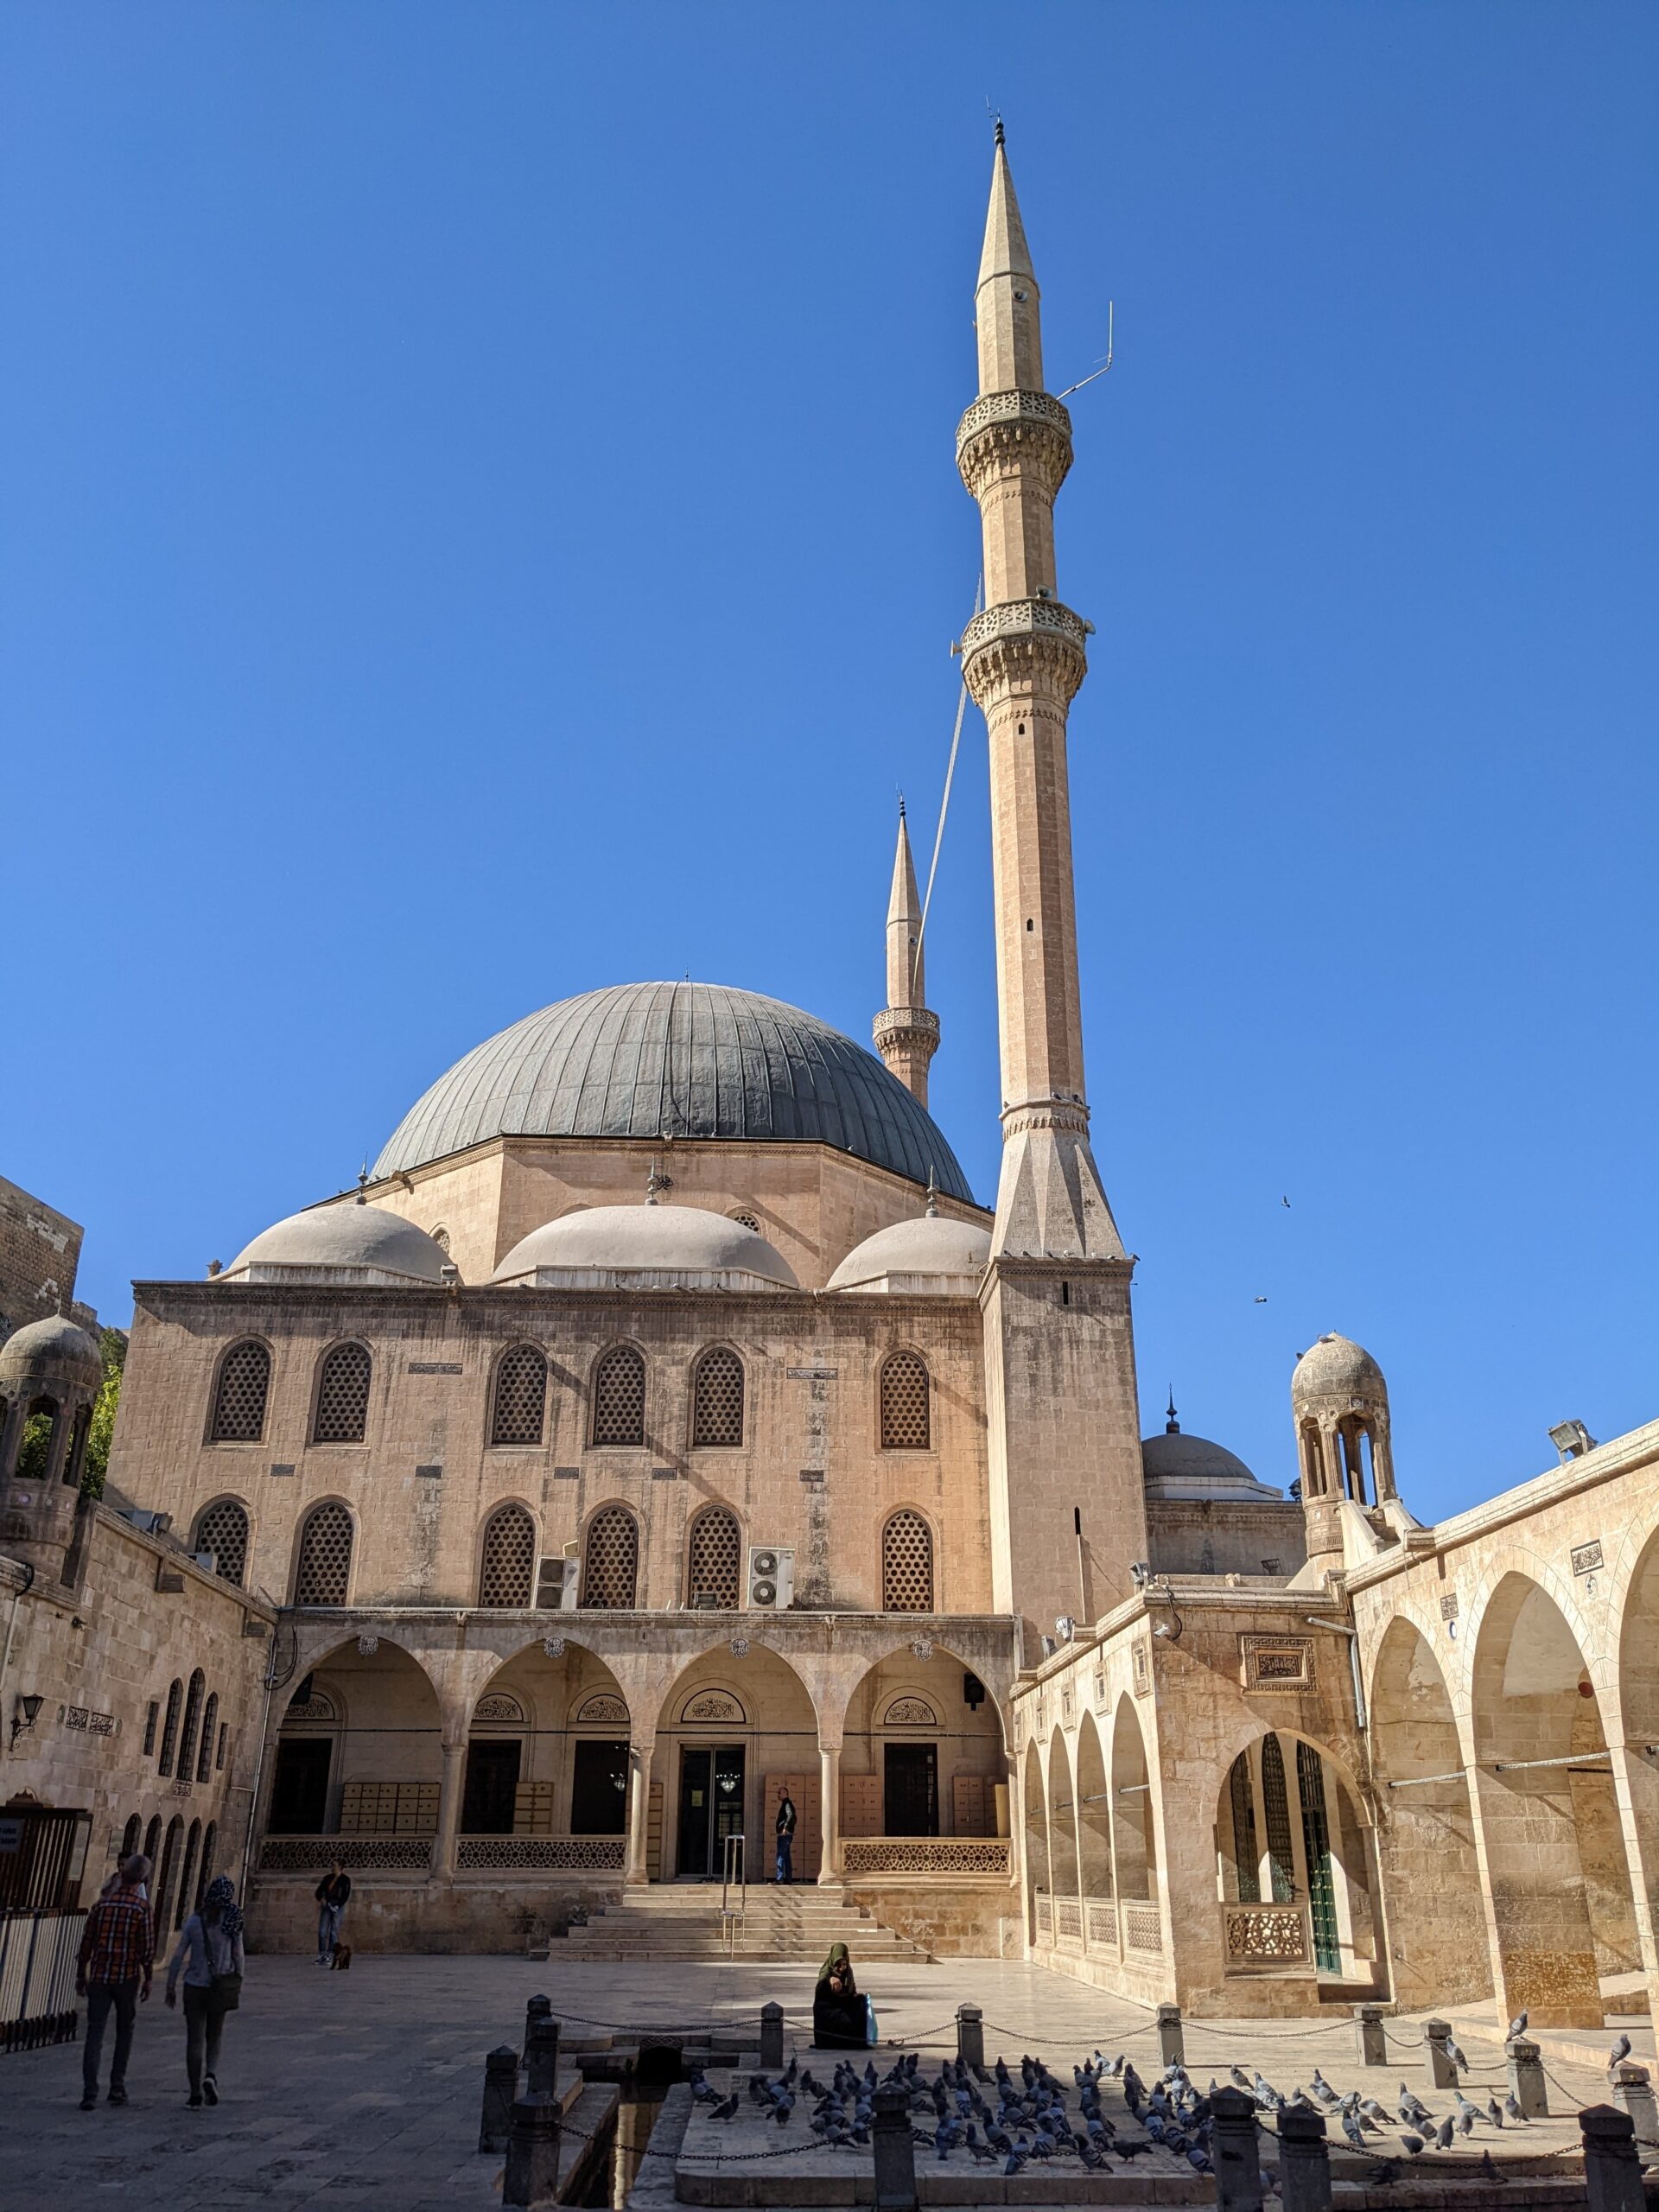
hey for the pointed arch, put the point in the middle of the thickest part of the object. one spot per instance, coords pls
(1093, 1829)
(506, 1569)
(170, 1726)
(222, 1528)
(618, 1397)
(1132, 1828)
(1039, 1911)
(1063, 1841)
(610, 1560)
(713, 1561)
(241, 1393)
(193, 1702)
(322, 1562)
(518, 1398)
(904, 1396)
(209, 1730)
(717, 1399)
(907, 1563)
(339, 1412)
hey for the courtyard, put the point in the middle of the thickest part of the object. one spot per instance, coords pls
(363, 2089)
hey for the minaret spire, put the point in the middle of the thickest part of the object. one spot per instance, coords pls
(906, 1034)
(1023, 660)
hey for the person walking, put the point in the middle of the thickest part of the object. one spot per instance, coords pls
(210, 1956)
(333, 1893)
(113, 1972)
(785, 1837)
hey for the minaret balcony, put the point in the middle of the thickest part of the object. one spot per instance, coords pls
(1004, 431)
(1020, 639)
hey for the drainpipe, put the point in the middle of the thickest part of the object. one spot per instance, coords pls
(1341, 1628)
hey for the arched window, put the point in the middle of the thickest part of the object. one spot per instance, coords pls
(209, 1731)
(186, 1904)
(507, 1569)
(904, 1424)
(152, 1844)
(907, 1564)
(714, 1565)
(222, 1529)
(620, 1397)
(717, 1398)
(520, 1396)
(241, 1394)
(130, 1836)
(192, 1723)
(342, 1415)
(324, 1567)
(170, 1726)
(209, 1850)
(610, 1560)
(161, 1879)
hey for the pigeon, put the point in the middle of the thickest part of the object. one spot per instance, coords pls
(1620, 2052)
(1415, 2145)
(727, 2108)
(1512, 2107)
(1495, 2111)
(1015, 2160)
(701, 2092)
(1517, 2026)
(808, 2087)
(1374, 2111)
(1322, 2090)
(1443, 2133)
(1353, 2131)
(781, 2111)
(1454, 2052)
(1466, 2122)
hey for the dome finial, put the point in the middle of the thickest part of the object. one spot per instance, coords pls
(363, 1184)
(655, 1181)
(932, 1209)
(1172, 1425)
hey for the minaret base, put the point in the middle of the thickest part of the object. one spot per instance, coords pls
(1050, 1200)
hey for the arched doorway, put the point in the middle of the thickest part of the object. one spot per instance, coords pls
(922, 1751)
(1562, 1912)
(546, 1779)
(1428, 1839)
(359, 1755)
(1294, 1864)
(735, 1731)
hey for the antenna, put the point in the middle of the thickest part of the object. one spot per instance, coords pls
(1105, 364)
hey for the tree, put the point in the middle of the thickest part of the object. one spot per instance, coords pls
(112, 1349)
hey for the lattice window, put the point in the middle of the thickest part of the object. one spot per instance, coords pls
(192, 1722)
(239, 1399)
(170, 1727)
(905, 1425)
(620, 1397)
(907, 1564)
(325, 1562)
(717, 1399)
(748, 1220)
(520, 1396)
(342, 1396)
(714, 1561)
(509, 1561)
(209, 1731)
(610, 1564)
(223, 1530)
(1276, 1812)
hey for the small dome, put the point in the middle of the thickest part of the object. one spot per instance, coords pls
(929, 1255)
(52, 1351)
(347, 1242)
(1177, 1466)
(1337, 1369)
(646, 1248)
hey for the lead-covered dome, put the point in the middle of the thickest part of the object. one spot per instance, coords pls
(1187, 1469)
(646, 1248)
(349, 1242)
(676, 1060)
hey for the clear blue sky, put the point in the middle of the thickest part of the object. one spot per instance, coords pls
(482, 524)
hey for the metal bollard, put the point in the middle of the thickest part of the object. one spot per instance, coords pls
(1441, 2072)
(1233, 2149)
(1612, 2171)
(1633, 2094)
(532, 2175)
(895, 2152)
(1527, 2077)
(970, 2037)
(1369, 2035)
(542, 2057)
(501, 2094)
(1169, 2033)
(771, 2035)
(1304, 2161)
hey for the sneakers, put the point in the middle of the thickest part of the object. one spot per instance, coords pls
(210, 2088)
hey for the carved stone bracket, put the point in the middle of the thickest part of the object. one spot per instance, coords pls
(1009, 433)
(1023, 643)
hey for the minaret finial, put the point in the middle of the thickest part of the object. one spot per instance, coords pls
(1172, 1425)
(932, 1193)
(1001, 139)
(363, 1184)
(654, 1182)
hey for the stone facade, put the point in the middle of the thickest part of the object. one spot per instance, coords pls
(40, 1257)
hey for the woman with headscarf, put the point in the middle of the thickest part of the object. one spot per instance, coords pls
(840, 2017)
(210, 1956)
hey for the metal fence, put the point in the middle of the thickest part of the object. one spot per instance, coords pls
(37, 1978)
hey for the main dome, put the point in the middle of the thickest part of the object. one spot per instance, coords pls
(676, 1060)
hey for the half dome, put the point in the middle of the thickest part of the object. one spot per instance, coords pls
(646, 1248)
(931, 1256)
(676, 1060)
(343, 1244)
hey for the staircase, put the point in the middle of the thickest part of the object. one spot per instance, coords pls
(797, 1924)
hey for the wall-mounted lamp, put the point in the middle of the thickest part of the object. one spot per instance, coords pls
(23, 1719)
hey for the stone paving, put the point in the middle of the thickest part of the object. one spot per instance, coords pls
(361, 2090)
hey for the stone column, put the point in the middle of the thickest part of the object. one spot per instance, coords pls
(449, 1794)
(639, 1751)
(828, 1815)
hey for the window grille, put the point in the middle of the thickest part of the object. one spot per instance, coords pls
(610, 1566)
(714, 1561)
(1245, 1857)
(904, 1403)
(717, 1399)
(239, 1401)
(209, 1730)
(152, 1715)
(170, 1726)
(342, 1396)
(192, 1721)
(620, 1397)
(509, 1559)
(1276, 1813)
(906, 1565)
(520, 1396)
(325, 1562)
(748, 1221)
(223, 1530)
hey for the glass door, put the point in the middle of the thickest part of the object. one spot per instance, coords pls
(711, 1808)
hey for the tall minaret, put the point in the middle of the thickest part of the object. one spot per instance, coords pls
(1065, 1428)
(906, 1034)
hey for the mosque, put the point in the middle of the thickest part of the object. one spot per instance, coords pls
(663, 1427)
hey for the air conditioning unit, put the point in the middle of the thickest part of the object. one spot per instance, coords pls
(152, 1524)
(558, 1585)
(771, 1578)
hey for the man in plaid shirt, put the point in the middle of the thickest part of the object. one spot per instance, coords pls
(112, 1972)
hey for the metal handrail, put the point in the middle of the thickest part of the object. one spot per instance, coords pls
(733, 1874)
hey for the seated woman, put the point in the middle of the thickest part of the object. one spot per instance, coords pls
(839, 2019)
